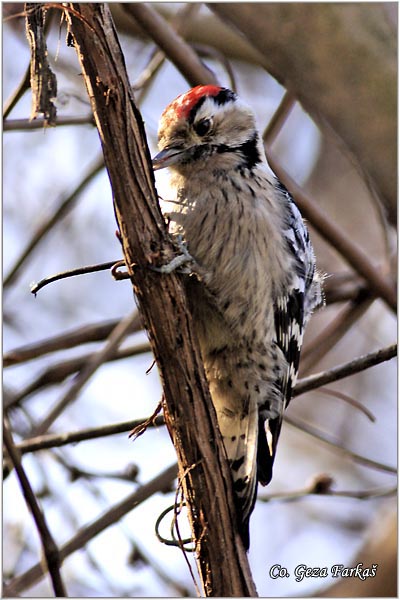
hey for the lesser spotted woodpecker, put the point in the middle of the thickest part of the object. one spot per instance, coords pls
(257, 283)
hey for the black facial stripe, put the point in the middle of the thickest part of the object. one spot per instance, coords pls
(249, 151)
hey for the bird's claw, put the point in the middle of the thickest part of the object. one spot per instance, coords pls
(178, 261)
(175, 264)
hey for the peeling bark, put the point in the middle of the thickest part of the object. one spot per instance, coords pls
(43, 80)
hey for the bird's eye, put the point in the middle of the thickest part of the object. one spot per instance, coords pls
(202, 127)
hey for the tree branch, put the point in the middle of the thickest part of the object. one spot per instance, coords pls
(58, 372)
(326, 340)
(50, 550)
(177, 50)
(342, 371)
(36, 287)
(55, 440)
(160, 483)
(116, 337)
(95, 332)
(322, 437)
(321, 485)
(315, 50)
(26, 125)
(64, 206)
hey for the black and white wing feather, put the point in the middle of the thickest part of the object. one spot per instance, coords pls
(292, 309)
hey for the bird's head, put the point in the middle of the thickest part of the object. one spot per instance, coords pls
(208, 123)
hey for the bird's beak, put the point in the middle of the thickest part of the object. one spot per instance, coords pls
(167, 157)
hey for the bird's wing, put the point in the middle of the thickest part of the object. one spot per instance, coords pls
(292, 308)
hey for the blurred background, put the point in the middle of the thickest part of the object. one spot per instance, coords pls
(58, 215)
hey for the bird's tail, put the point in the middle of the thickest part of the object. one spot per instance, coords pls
(268, 435)
(238, 423)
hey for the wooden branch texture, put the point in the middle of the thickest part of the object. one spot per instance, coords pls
(43, 81)
(340, 61)
(203, 468)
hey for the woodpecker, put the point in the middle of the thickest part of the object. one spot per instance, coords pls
(257, 283)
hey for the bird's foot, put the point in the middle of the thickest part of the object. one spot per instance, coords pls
(179, 263)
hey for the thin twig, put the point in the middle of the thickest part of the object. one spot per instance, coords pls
(345, 370)
(180, 23)
(95, 332)
(279, 118)
(36, 287)
(58, 372)
(160, 483)
(130, 473)
(204, 50)
(27, 125)
(316, 433)
(339, 287)
(349, 400)
(22, 87)
(50, 550)
(382, 285)
(61, 210)
(326, 340)
(139, 430)
(358, 495)
(116, 337)
(56, 440)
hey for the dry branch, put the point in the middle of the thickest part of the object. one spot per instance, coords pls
(76, 337)
(190, 415)
(55, 440)
(278, 119)
(50, 550)
(323, 437)
(321, 486)
(64, 206)
(345, 370)
(95, 361)
(340, 61)
(57, 373)
(325, 341)
(22, 87)
(26, 125)
(37, 286)
(160, 483)
(177, 50)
